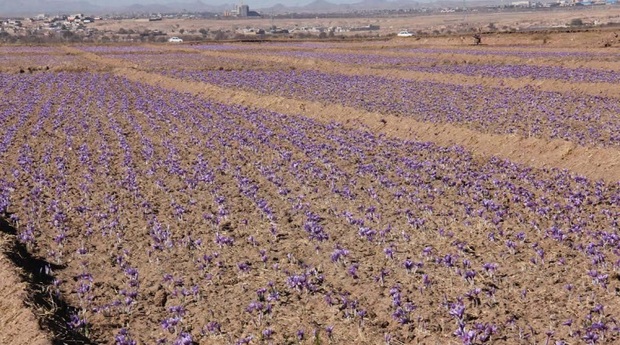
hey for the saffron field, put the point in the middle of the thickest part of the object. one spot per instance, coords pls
(170, 217)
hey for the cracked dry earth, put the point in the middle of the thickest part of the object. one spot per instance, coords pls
(317, 193)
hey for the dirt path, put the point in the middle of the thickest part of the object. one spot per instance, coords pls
(594, 89)
(584, 88)
(18, 323)
(470, 56)
(493, 52)
(595, 163)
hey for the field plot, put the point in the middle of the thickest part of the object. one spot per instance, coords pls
(166, 214)
(525, 53)
(583, 119)
(437, 65)
(541, 64)
(32, 59)
(186, 61)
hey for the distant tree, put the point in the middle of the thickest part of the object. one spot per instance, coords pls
(219, 35)
(203, 31)
(122, 31)
(576, 22)
(182, 31)
(322, 35)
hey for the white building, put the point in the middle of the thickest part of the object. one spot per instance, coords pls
(240, 11)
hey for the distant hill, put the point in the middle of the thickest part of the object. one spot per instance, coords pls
(172, 6)
(32, 7)
(321, 6)
(324, 6)
(139, 8)
(196, 6)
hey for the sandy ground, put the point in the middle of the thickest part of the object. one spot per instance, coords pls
(428, 23)
(18, 324)
(595, 163)
(230, 292)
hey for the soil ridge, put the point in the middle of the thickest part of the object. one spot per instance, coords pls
(26, 298)
(593, 162)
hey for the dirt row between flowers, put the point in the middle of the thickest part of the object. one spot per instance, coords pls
(492, 53)
(594, 89)
(551, 85)
(18, 324)
(462, 56)
(592, 162)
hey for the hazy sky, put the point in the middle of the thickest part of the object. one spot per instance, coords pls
(251, 3)
(36, 6)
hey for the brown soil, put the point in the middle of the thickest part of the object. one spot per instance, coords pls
(517, 20)
(113, 218)
(461, 56)
(596, 89)
(18, 324)
(595, 163)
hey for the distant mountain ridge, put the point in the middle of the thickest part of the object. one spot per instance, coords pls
(319, 6)
(33, 7)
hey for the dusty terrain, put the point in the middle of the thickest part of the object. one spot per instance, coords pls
(522, 20)
(18, 323)
(310, 193)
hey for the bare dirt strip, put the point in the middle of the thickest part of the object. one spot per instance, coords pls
(18, 324)
(465, 57)
(594, 89)
(463, 52)
(592, 162)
